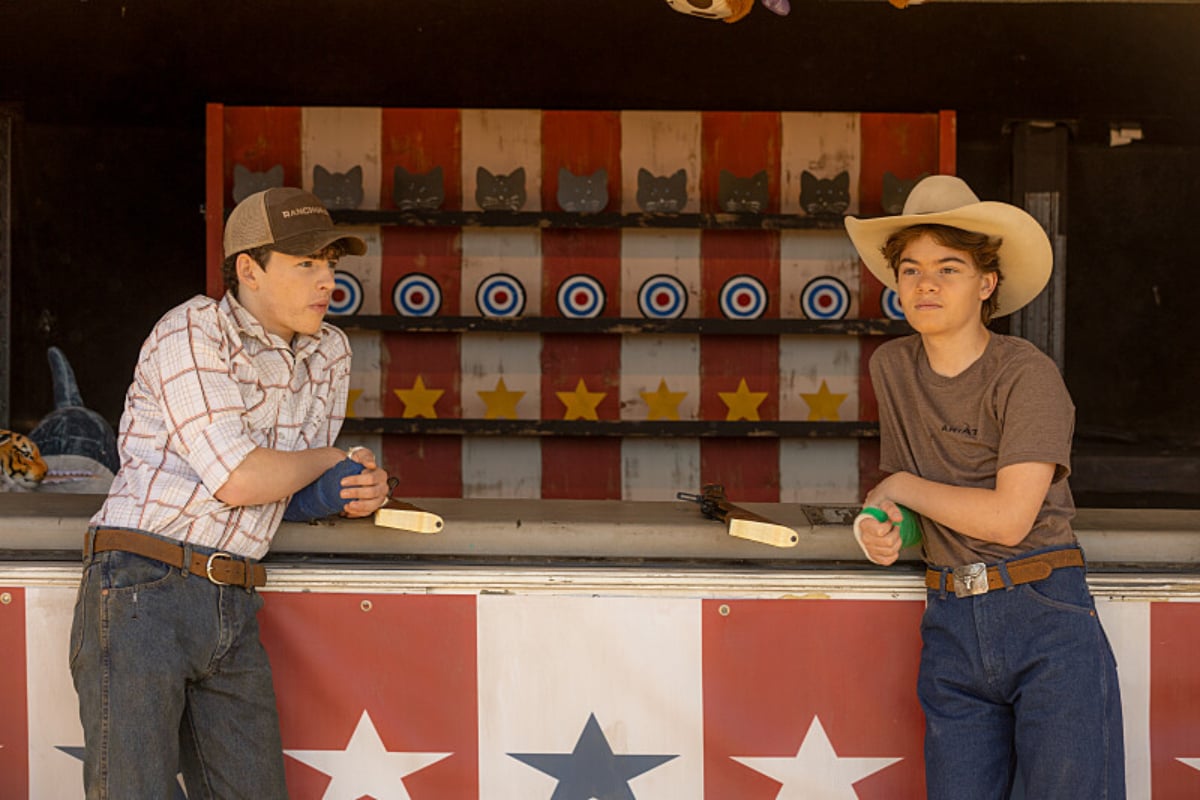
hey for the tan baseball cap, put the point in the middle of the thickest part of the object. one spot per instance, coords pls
(288, 220)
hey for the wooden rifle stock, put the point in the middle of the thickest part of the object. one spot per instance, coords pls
(407, 517)
(741, 523)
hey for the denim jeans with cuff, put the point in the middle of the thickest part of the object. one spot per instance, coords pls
(171, 678)
(1020, 678)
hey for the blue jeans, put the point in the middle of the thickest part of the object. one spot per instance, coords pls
(1020, 679)
(171, 678)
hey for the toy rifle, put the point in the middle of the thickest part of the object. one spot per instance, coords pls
(405, 516)
(741, 523)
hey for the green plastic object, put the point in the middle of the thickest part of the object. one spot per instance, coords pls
(910, 529)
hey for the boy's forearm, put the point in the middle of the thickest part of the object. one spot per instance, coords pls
(1003, 515)
(266, 475)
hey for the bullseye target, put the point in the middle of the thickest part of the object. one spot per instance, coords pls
(347, 295)
(581, 297)
(889, 301)
(825, 298)
(417, 295)
(500, 295)
(662, 297)
(743, 297)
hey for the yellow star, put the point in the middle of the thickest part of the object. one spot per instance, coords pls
(581, 404)
(350, 398)
(743, 404)
(501, 403)
(823, 404)
(419, 401)
(663, 404)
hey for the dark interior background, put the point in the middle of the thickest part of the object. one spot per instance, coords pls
(108, 152)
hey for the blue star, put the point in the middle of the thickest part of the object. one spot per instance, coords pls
(592, 770)
(77, 752)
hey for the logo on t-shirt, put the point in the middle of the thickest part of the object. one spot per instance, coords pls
(964, 430)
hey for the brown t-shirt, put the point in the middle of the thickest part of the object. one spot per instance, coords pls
(1009, 407)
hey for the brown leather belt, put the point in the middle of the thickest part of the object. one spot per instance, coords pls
(969, 579)
(223, 569)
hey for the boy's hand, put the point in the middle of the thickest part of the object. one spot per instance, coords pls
(880, 540)
(368, 490)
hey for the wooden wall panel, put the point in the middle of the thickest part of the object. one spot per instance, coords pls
(578, 466)
(581, 142)
(340, 139)
(822, 144)
(743, 144)
(819, 471)
(488, 253)
(661, 143)
(905, 145)
(428, 466)
(826, 264)
(500, 141)
(660, 365)
(656, 469)
(747, 468)
(488, 358)
(419, 139)
(260, 137)
(648, 253)
(739, 375)
(501, 466)
(432, 252)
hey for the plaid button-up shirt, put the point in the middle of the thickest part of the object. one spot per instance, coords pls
(210, 386)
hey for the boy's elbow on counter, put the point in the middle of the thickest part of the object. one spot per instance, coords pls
(1012, 537)
(1012, 533)
(236, 491)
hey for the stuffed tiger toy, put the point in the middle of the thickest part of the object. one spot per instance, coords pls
(21, 466)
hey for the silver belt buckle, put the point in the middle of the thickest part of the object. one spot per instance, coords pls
(208, 568)
(970, 579)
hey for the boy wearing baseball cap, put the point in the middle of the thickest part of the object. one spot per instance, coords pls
(975, 428)
(234, 406)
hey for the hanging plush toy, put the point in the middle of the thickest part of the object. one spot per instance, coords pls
(727, 10)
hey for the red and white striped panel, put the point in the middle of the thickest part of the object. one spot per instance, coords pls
(818, 382)
(500, 141)
(683, 659)
(501, 466)
(340, 139)
(823, 144)
(661, 142)
(501, 276)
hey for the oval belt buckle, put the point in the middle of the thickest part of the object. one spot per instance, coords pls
(970, 579)
(208, 568)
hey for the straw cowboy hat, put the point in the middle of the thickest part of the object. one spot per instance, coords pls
(1025, 253)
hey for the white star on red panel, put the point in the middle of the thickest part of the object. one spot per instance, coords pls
(366, 766)
(816, 771)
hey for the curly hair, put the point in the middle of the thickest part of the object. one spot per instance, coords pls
(983, 249)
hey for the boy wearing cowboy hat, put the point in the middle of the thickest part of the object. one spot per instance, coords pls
(975, 429)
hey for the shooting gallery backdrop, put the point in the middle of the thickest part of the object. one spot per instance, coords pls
(601, 305)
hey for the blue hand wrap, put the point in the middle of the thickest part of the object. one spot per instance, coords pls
(322, 497)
